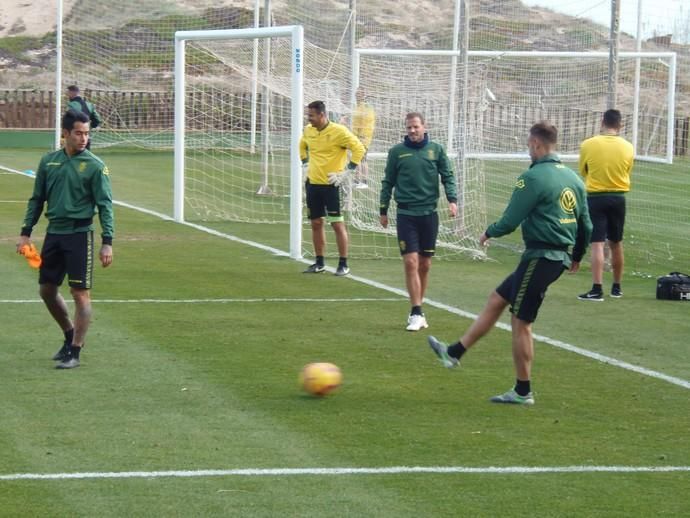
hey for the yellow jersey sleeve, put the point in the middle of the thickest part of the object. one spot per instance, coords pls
(302, 149)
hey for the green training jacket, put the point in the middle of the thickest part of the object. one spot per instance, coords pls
(78, 104)
(412, 176)
(550, 202)
(73, 187)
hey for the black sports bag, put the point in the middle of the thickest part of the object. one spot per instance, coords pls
(674, 286)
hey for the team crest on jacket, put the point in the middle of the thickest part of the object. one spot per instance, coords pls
(431, 154)
(82, 167)
(568, 200)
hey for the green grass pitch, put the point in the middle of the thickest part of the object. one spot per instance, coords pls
(192, 362)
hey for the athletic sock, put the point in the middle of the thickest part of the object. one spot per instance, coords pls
(319, 260)
(522, 387)
(457, 350)
(416, 310)
(74, 351)
(342, 262)
(69, 335)
(597, 288)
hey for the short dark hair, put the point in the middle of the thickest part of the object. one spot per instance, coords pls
(73, 88)
(612, 119)
(545, 131)
(72, 116)
(318, 106)
(415, 115)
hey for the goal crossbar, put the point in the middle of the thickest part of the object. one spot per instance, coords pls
(498, 54)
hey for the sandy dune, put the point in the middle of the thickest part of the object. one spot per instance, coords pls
(29, 17)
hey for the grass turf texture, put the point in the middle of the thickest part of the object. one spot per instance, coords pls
(214, 386)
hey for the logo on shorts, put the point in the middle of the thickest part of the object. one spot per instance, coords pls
(402, 245)
(568, 200)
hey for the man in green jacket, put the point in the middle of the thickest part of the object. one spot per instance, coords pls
(78, 103)
(413, 170)
(73, 183)
(550, 202)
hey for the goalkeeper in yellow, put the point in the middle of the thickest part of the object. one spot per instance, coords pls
(323, 150)
(363, 124)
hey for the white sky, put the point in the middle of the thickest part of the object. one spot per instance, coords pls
(658, 16)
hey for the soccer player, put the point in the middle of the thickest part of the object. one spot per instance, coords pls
(606, 162)
(363, 123)
(549, 201)
(323, 150)
(78, 103)
(73, 183)
(413, 170)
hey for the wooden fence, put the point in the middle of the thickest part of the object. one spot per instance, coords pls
(24, 109)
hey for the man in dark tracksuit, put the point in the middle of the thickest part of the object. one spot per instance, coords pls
(73, 182)
(413, 171)
(78, 103)
(550, 202)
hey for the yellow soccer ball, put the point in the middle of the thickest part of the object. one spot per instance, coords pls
(320, 379)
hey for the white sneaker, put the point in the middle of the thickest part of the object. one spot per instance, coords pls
(416, 322)
(514, 398)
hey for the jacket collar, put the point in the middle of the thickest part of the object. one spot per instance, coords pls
(416, 145)
(550, 157)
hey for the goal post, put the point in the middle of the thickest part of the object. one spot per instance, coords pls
(296, 66)
(500, 95)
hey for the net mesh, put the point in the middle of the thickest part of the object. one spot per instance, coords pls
(121, 55)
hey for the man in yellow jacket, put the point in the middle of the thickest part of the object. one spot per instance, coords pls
(606, 162)
(363, 123)
(323, 150)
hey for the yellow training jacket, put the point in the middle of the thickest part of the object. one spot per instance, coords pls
(363, 122)
(606, 162)
(327, 150)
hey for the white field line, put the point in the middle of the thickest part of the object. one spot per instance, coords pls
(541, 338)
(9, 170)
(393, 470)
(211, 301)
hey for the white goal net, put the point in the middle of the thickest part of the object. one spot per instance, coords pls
(122, 54)
(236, 121)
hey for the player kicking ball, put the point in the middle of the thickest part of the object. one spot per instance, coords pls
(550, 203)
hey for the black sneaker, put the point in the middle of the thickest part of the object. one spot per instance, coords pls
(596, 296)
(616, 292)
(63, 353)
(68, 363)
(315, 268)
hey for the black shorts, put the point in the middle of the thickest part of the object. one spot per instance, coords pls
(70, 254)
(417, 234)
(323, 200)
(608, 217)
(526, 287)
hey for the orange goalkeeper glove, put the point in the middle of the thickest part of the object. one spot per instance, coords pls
(32, 255)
